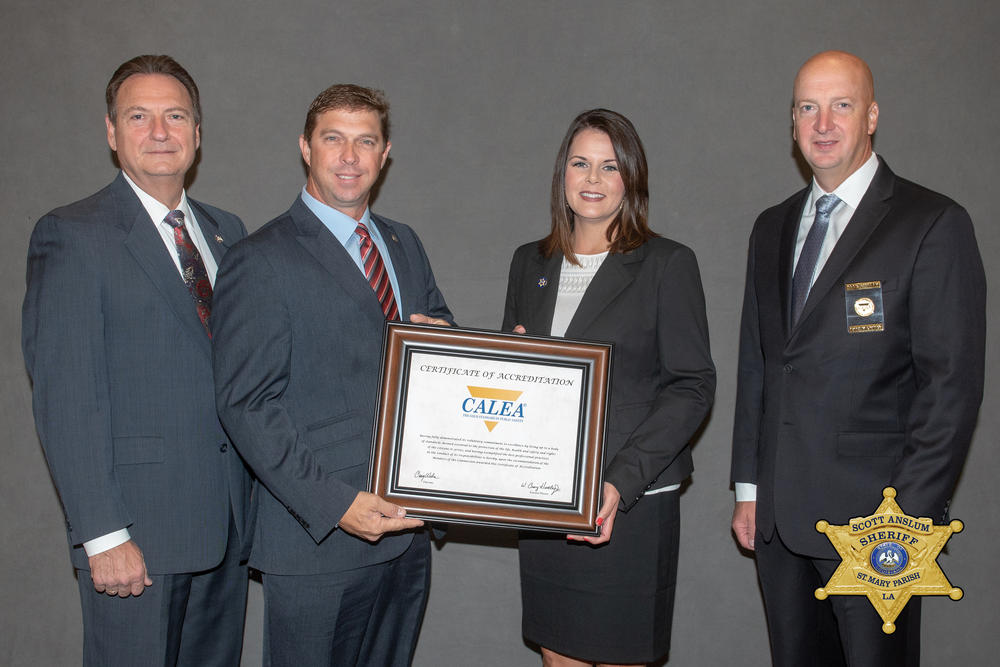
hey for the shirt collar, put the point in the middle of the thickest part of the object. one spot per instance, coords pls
(156, 210)
(854, 187)
(340, 224)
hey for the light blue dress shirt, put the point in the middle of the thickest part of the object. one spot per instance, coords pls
(342, 227)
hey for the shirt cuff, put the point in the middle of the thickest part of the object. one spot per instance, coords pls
(745, 492)
(662, 489)
(105, 542)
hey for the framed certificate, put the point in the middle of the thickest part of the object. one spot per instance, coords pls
(489, 428)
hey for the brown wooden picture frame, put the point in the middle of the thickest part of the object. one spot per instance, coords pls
(534, 362)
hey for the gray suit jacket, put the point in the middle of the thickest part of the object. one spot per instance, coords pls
(122, 383)
(826, 418)
(649, 302)
(298, 334)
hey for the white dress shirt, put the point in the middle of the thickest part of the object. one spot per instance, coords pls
(157, 213)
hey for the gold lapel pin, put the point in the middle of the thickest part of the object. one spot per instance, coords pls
(218, 239)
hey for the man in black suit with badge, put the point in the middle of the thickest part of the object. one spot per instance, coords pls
(862, 351)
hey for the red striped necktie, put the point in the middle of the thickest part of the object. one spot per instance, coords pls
(376, 274)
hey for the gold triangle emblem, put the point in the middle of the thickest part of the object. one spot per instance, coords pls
(494, 394)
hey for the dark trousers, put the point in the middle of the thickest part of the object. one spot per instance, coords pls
(182, 619)
(366, 616)
(841, 630)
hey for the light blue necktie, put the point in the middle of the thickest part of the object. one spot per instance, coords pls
(806, 266)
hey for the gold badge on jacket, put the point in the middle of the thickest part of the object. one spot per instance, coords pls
(864, 306)
(889, 557)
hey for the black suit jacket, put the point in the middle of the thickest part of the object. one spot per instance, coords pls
(649, 302)
(297, 342)
(826, 418)
(122, 383)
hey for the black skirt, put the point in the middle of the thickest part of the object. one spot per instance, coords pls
(609, 603)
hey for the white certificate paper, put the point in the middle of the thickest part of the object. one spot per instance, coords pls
(491, 428)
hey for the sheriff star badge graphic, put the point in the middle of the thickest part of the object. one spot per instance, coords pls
(889, 557)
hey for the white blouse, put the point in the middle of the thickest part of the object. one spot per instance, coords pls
(573, 282)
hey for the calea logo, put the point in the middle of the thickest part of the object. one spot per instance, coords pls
(493, 405)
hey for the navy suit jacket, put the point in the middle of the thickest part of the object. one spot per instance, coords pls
(648, 302)
(298, 335)
(122, 383)
(826, 418)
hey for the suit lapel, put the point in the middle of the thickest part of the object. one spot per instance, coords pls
(145, 244)
(313, 235)
(871, 211)
(616, 272)
(539, 297)
(786, 256)
(211, 231)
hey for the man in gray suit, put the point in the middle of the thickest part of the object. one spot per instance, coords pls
(300, 310)
(116, 339)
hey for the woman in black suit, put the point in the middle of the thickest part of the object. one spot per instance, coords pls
(602, 274)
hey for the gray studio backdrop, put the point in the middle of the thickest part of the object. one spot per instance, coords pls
(481, 93)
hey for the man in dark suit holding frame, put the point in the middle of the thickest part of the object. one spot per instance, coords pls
(116, 338)
(861, 366)
(300, 310)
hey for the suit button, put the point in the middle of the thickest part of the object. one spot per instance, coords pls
(223, 447)
(788, 368)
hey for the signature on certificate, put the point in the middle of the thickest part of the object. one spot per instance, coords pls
(425, 477)
(540, 488)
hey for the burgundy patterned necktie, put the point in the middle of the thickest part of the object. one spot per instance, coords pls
(376, 274)
(192, 268)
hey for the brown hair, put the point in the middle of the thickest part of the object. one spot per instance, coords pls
(629, 229)
(352, 98)
(152, 65)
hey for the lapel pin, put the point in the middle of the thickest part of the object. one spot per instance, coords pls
(394, 239)
(543, 281)
(218, 239)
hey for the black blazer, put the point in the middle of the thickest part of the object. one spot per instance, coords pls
(123, 392)
(826, 418)
(297, 341)
(649, 303)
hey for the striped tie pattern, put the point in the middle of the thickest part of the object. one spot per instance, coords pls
(192, 268)
(376, 274)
